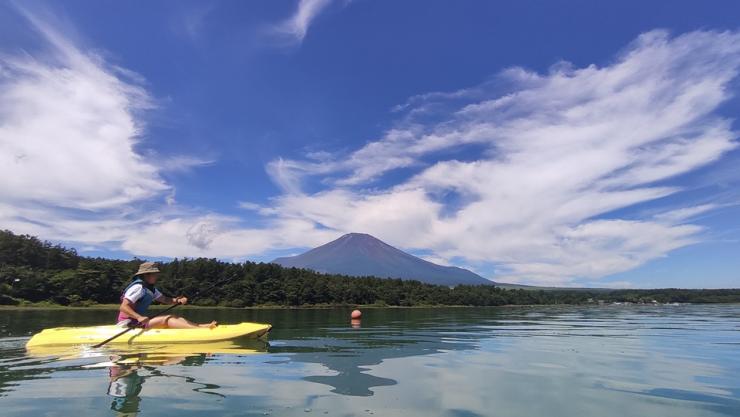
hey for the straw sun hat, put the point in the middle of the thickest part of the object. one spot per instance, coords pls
(147, 268)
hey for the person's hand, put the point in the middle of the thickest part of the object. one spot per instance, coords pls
(142, 319)
(181, 300)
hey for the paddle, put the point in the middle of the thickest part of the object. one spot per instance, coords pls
(128, 329)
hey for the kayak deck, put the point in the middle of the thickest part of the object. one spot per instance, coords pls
(96, 334)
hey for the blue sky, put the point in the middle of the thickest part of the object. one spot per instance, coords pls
(542, 142)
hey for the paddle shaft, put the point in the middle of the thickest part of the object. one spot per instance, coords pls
(128, 329)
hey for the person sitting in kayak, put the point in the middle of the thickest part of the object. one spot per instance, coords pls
(140, 293)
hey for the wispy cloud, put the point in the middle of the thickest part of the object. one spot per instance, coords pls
(560, 152)
(68, 128)
(295, 28)
(685, 214)
(180, 163)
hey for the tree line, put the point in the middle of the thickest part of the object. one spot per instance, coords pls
(35, 271)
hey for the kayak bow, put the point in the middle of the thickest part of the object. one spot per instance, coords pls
(89, 335)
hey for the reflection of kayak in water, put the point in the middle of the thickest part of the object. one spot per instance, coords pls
(91, 335)
(140, 354)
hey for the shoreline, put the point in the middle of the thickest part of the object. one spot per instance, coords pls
(260, 307)
(342, 306)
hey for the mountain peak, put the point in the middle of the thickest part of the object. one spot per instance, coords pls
(356, 235)
(360, 236)
(361, 254)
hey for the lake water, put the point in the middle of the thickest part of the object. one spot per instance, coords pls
(520, 361)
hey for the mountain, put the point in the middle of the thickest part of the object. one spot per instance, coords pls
(359, 254)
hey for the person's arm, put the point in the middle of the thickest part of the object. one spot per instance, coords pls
(161, 298)
(127, 308)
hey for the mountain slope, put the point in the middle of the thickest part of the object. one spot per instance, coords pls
(359, 254)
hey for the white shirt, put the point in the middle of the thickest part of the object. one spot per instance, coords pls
(135, 292)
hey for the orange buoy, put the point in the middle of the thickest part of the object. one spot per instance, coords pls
(356, 314)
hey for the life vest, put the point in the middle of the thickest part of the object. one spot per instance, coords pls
(142, 305)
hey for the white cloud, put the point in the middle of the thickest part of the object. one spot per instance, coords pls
(71, 116)
(295, 28)
(686, 213)
(220, 236)
(70, 126)
(246, 205)
(181, 163)
(560, 152)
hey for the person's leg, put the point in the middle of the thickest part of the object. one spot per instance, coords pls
(176, 322)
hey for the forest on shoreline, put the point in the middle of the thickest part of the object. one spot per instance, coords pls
(35, 271)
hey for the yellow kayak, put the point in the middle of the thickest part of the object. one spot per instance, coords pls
(96, 334)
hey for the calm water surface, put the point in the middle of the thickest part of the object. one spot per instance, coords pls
(535, 361)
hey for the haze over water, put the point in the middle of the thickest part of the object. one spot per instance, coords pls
(523, 361)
